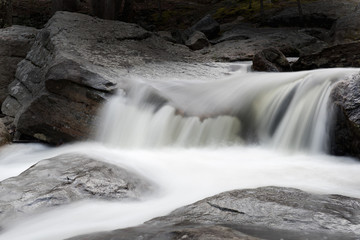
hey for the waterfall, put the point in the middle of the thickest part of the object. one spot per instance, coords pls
(288, 111)
(196, 137)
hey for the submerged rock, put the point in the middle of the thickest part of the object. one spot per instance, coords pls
(15, 42)
(270, 60)
(76, 62)
(344, 55)
(345, 139)
(265, 213)
(65, 179)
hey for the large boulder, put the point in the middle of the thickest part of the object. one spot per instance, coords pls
(270, 60)
(207, 25)
(76, 62)
(344, 55)
(345, 139)
(65, 179)
(15, 42)
(265, 213)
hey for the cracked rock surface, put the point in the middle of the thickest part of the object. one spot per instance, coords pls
(262, 213)
(65, 179)
(76, 62)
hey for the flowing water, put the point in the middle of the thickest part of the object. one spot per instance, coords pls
(210, 135)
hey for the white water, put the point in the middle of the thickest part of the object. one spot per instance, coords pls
(189, 158)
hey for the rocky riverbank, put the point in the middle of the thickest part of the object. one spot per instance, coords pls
(54, 81)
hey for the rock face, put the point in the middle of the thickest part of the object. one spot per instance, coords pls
(265, 213)
(270, 60)
(15, 42)
(346, 134)
(345, 55)
(74, 64)
(65, 179)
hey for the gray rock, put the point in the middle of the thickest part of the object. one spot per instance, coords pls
(207, 25)
(5, 137)
(267, 212)
(76, 62)
(65, 179)
(344, 55)
(345, 139)
(197, 41)
(244, 41)
(15, 42)
(270, 60)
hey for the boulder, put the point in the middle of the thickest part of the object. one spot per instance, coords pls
(197, 41)
(76, 62)
(15, 42)
(345, 139)
(344, 55)
(264, 213)
(270, 60)
(65, 179)
(207, 25)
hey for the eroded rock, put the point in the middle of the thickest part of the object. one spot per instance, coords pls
(265, 213)
(15, 42)
(65, 179)
(76, 62)
(197, 41)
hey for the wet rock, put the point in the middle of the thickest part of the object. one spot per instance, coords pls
(265, 213)
(15, 42)
(5, 137)
(344, 55)
(76, 63)
(65, 179)
(345, 139)
(197, 41)
(270, 60)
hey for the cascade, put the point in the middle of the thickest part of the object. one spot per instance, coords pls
(288, 111)
(193, 138)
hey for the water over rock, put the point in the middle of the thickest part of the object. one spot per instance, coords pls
(65, 179)
(15, 42)
(75, 63)
(346, 134)
(265, 213)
